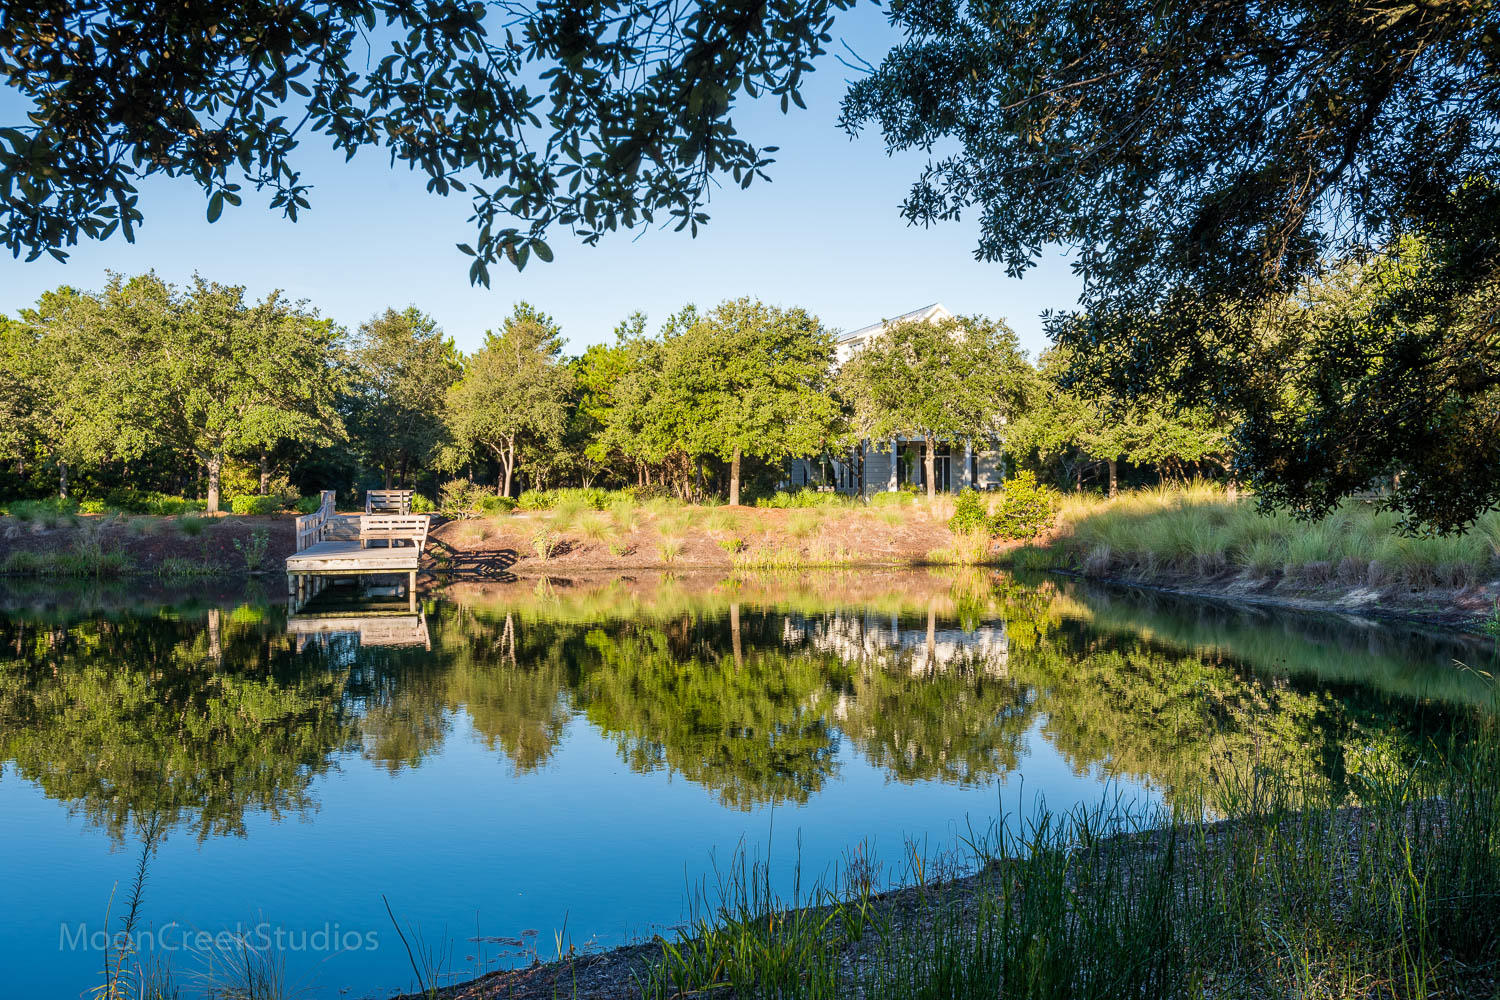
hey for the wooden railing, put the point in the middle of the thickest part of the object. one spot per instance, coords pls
(310, 526)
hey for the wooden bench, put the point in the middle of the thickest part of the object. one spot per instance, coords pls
(393, 528)
(388, 501)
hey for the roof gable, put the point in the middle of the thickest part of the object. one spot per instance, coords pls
(850, 344)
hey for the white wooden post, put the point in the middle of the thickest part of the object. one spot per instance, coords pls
(968, 462)
(895, 445)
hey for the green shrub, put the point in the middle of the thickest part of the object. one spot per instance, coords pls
(254, 550)
(1024, 509)
(93, 506)
(139, 502)
(577, 497)
(534, 500)
(545, 542)
(491, 503)
(252, 504)
(170, 505)
(971, 513)
(656, 491)
(190, 524)
(49, 511)
(310, 505)
(459, 498)
(419, 505)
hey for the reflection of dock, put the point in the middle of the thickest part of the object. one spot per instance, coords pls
(389, 629)
(369, 615)
(331, 545)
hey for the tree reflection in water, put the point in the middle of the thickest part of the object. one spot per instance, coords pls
(754, 689)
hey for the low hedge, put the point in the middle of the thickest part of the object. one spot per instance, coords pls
(253, 504)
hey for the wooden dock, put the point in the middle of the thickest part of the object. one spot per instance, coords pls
(333, 545)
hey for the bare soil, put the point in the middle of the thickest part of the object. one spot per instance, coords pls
(150, 540)
(493, 548)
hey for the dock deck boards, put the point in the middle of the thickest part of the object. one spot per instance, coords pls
(331, 545)
(347, 556)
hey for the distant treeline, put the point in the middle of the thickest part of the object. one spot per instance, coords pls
(145, 389)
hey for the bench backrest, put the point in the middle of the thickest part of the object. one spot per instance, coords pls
(394, 527)
(388, 501)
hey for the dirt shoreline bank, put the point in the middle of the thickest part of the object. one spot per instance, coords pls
(501, 549)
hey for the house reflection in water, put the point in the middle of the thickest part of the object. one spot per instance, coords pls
(872, 639)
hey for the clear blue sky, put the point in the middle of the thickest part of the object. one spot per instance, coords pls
(826, 234)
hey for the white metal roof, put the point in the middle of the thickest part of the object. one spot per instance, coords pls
(851, 342)
(926, 313)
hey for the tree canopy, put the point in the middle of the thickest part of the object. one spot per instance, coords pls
(513, 389)
(403, 365)
(1205, 162)
(748, 378)
(591, 117)
(142, 364)
(950, 379)
(1078, 429)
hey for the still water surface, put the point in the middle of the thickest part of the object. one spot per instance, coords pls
(523, 761)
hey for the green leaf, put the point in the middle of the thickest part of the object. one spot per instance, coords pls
(215, 206)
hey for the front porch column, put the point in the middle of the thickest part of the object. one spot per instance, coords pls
(895, 457)
(968, 477)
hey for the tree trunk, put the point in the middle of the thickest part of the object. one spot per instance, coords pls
(62, 479)
(932, 634)
(1114, 477)
(929, 464)
(735, 639)
(1078, 476)
(215, 465)
(386, 470)
(509, 460)
(402, 478)
(734, 479)
(265, 473)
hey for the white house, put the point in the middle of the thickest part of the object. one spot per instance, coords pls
(886, 466)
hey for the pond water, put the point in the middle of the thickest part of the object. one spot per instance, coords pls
(527, 763)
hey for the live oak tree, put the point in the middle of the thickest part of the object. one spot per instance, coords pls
(591, 117)
(201, 371)
(750, 379)
(1203, 161)
(1083, 428)
(403, 365)
(35, 416)
(1381, 371)
(951, 379)
(514, 389)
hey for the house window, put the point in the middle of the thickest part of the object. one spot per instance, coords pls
(942, 467)
(912, 467)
